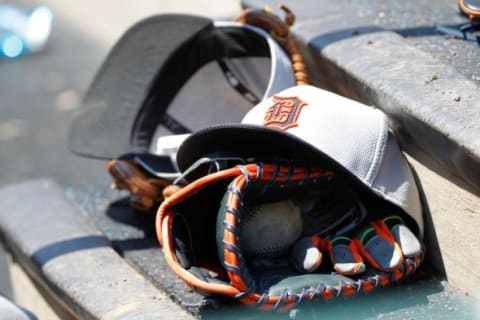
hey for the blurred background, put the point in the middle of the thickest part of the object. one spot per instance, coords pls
(40, 92)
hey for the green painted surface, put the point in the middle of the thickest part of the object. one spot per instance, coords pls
(420, 300)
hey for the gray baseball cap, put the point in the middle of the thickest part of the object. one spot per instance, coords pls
(308, 125)
(135, 97)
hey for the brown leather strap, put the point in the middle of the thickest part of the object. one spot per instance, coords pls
(280, 31)
(145, 190)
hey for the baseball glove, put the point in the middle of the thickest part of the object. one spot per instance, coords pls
(201, 230)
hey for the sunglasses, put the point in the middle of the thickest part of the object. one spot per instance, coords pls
(470, 8)
(466, 31)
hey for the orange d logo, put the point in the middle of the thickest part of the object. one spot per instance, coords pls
(283, 114)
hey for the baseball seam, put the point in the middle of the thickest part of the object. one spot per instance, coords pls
(269, 250)
(250, 213)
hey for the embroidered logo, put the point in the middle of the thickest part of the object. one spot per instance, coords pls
(283, 114)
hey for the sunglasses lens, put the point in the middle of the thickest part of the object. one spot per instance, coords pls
(470, 8)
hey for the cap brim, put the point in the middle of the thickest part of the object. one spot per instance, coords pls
(251, 141)
(130, 95)
(103, 126)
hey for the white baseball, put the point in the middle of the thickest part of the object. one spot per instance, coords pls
(270, 230)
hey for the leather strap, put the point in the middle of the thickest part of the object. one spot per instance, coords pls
(280, 31)
(145, 191)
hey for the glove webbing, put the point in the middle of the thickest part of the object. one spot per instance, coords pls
(287, 300)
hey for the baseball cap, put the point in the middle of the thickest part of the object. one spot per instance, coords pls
(134, 99)
(308, 125)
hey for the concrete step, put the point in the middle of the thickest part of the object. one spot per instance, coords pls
(72, 261)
